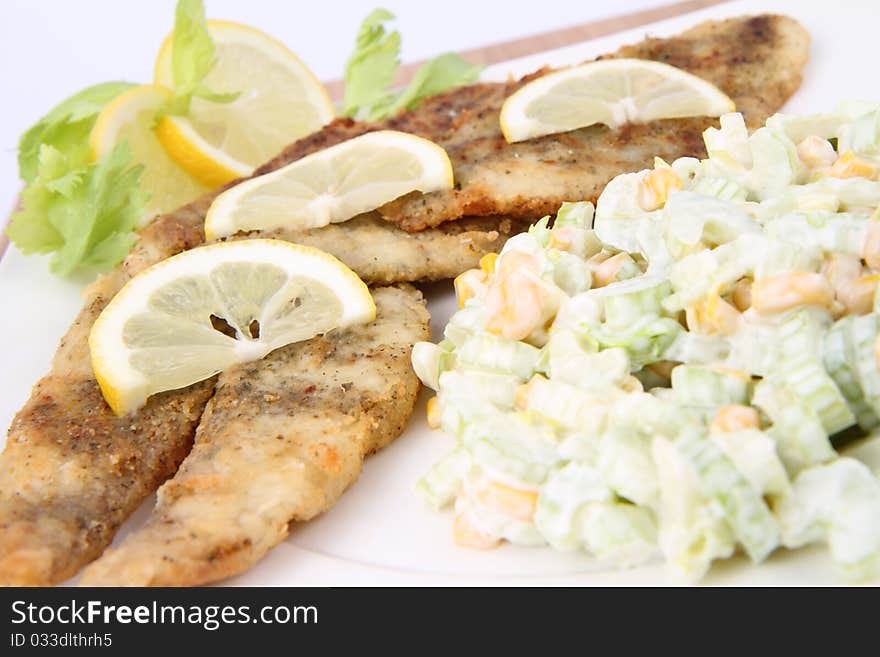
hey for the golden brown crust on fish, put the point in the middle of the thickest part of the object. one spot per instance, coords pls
(46, 537)
(72, 478)
(280, 441)
(72, 472)
(378, 252)
(381, 256)
(755, 60)
(54, 518)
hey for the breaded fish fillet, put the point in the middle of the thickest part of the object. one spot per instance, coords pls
(72, 472)
(756, 60)
(280, 441)
(383, 256)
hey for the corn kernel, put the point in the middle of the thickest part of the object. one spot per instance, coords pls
(655, 188)
(487, 263)
(598, 258)
(514, 306)
(857, 296)
(735, 417)
(516, 261)
(468, 284)
(816, 152)
(608, 270)
(841, 268)
(565, 238)
(513, 502)
(433, 413)
(849, 165)
(871, 250)
(522, 392)
(712, 316)
(776, 294)
(466, 535)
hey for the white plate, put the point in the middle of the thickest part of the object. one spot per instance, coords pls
(379, 532)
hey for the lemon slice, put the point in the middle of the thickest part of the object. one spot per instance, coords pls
(199, 312)
(613, 92)
(131, 116)
(332, 185)
(280, 100)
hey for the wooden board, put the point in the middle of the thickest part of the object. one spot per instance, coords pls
(499, 52)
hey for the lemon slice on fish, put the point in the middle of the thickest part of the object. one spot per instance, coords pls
(611, 91)
(332, 185)
(195, 314)
(279, 100)
(131, 117)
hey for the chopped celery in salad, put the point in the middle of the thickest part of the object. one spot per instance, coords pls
(665, 377)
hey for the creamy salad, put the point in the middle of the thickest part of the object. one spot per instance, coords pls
(671, 374)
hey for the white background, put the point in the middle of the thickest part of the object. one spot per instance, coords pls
(379, 532)
(50, 49)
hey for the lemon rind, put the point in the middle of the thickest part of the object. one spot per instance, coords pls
(206, 163)
(220, 218)
(123, 387)
(517, 126)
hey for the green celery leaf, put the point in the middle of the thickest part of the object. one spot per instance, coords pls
(66, 128)
(85, 216)
(370, 69)
(435, 76)
(192, 58)
(30, 229)
(107, 253)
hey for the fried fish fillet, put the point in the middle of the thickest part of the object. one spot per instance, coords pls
(280, 441)
(382, 256)
(756, 60)
(72, 472)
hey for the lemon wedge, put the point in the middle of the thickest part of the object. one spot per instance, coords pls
(279, 101)
(332, 185)
(131, 116)
(613, 92)
(199, 312)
